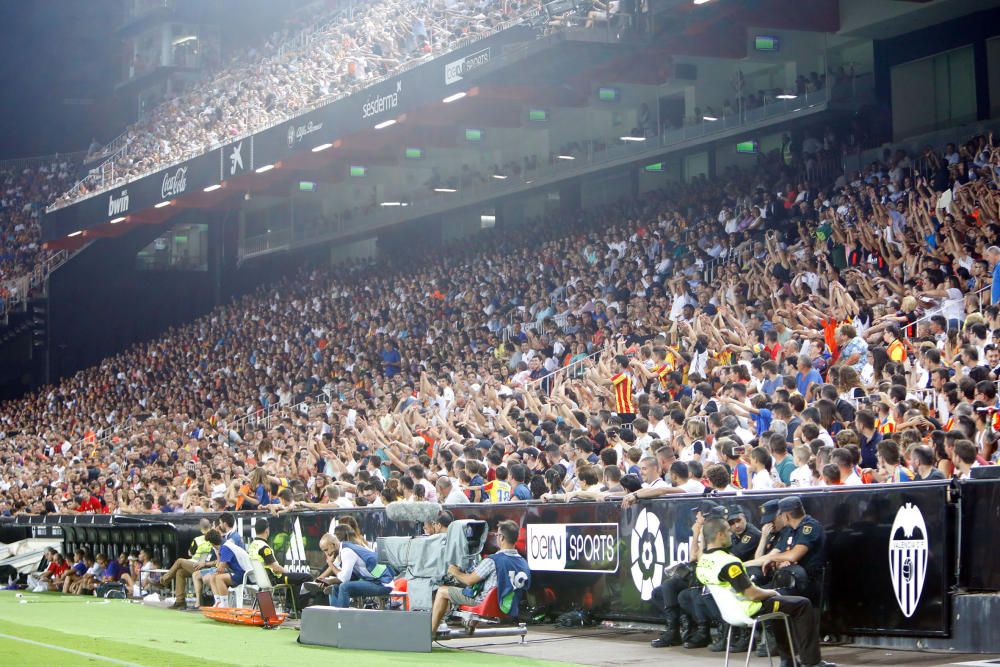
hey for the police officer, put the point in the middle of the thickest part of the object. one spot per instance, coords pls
(799, 552)
(746, 536)
(259, 550)
(723, 572)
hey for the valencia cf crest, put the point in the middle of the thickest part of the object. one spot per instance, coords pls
(908, 551)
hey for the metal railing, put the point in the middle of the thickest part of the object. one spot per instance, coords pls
(22, 163)
(570, 367)
(22, 288)
(940, 308)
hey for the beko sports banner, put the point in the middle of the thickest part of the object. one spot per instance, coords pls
(889, 567)
(424, 84)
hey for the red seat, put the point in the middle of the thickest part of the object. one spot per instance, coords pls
(488, 608)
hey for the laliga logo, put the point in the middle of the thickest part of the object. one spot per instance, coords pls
(175, 184)
(648, 554)
(908, 557)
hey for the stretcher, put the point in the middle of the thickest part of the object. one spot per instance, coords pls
(237, 616)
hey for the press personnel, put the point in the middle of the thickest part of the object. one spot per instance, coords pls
(718, 569)
(260, 551)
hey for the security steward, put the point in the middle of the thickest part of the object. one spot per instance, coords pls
(746, 538)
(718, 568)
(260, 550)
(696, 601)
(201, 555)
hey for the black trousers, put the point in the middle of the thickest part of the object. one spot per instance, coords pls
(699, 606)
(295, 580)
(665, 596)
(805, 632)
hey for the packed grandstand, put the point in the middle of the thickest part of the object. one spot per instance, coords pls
(349, 46)
(765, 332)
(706, 382)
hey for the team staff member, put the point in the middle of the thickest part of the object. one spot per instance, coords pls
(234, 562)
(261, 551)
(202, 555)
(719, 568)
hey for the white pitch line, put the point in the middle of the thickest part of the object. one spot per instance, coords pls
(83, 654)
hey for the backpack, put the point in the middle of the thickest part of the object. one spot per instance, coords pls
(112, 590)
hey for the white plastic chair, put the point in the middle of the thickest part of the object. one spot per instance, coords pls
(733, 613)
(258, 580)
(237, 593)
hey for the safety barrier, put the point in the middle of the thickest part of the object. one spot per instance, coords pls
(598, 556)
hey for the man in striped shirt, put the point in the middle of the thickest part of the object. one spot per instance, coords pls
(623, 385)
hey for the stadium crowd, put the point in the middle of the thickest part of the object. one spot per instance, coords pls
(745, 332)
(350, 49)
(25, 190)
